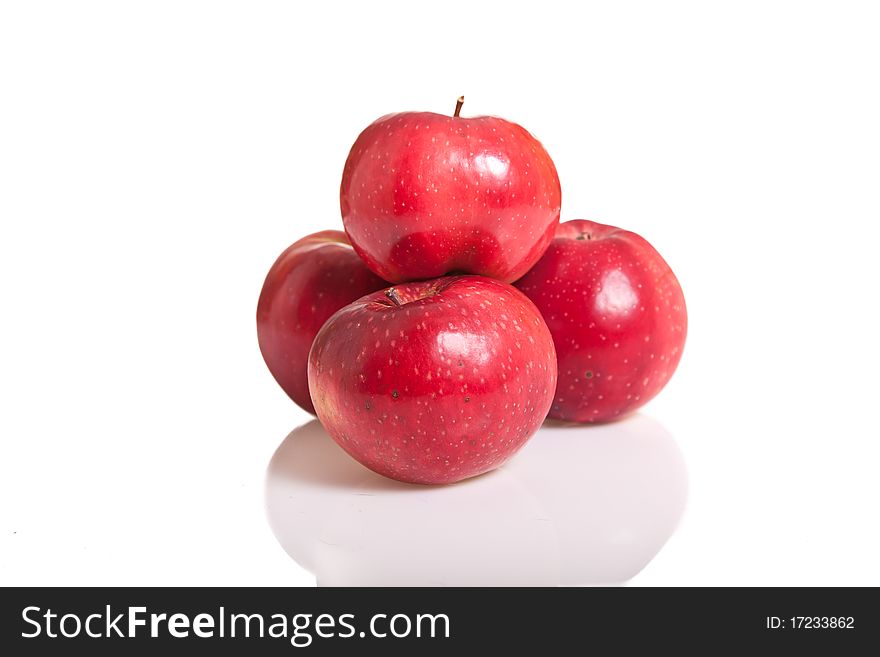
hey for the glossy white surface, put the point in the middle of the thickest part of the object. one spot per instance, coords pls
(577, 505)
(155, 158)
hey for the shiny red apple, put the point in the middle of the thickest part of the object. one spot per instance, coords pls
(617, 315)
(434, 381)
(310, 281)
(424, 195)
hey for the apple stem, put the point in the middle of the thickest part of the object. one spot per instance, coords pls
(391, 293)
(458, 105)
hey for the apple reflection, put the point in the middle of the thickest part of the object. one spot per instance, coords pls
(576, 506)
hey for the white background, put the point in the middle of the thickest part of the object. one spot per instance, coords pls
(155, 157)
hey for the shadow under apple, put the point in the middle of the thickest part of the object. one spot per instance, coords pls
(577, 505)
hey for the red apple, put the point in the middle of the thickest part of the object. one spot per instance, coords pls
(310, 281)
(425, 194)
(435, 381)
(617, 315)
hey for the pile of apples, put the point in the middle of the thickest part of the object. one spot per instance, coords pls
(456, 313)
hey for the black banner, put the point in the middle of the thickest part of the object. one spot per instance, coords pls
(113, 621)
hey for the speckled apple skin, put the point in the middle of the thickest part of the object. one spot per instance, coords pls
(310, 281)
(446, 386)
(617, 315)
(424, 195)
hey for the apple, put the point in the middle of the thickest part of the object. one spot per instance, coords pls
(424, 195)
(434, 381)
(617, 315)
(310, 281)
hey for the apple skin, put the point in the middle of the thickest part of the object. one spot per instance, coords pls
(445, 386)
(617, 315)
(311, 280)
(424, 195)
